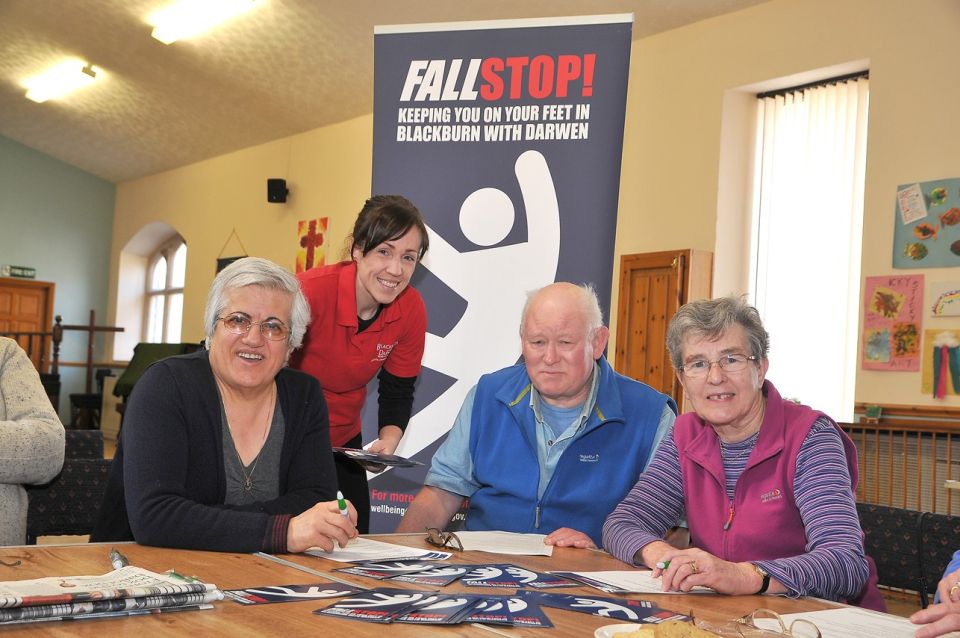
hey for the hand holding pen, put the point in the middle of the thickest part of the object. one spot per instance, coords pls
(324, 526)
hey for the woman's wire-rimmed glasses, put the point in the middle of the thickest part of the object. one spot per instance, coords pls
(727, 363)
(439, 538)
(760, 623)
(240, 324)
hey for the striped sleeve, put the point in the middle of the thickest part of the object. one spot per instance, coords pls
(834, 566)
(652, 507)
(275, 536)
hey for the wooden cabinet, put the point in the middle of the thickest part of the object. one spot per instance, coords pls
(652, 287)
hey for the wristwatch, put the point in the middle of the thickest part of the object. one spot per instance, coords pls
(765, 576)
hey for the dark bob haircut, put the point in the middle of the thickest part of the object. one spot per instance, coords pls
(387, 218)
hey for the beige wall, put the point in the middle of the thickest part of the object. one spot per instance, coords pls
(670, 188)
(679, 79)
(328, 172)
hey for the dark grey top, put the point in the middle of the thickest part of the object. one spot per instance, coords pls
(263, 472)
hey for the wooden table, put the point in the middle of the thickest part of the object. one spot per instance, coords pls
(234, 571)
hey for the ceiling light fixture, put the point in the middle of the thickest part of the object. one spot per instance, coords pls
(188, 18)
(57, 81)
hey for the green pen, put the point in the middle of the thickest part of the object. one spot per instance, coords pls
(342, 505)
(663, 564)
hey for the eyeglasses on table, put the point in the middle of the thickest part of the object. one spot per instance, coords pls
(439, 538)
(760, 623)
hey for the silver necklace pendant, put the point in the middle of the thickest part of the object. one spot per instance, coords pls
(247, 483)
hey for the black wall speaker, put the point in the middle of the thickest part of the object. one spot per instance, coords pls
(277, 190)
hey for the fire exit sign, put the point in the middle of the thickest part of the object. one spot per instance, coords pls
(26, 272)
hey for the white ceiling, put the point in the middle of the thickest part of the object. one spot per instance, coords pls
(286, 67)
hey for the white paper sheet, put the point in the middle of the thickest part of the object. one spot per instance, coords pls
(365, 549)
(506, 543)
(634, 581)
(912, 204)
(854, 622)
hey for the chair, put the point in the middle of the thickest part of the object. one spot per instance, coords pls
(939, 539)
(892, 540)
(83, 444)
(85, 408)
(69, 503)
(51, 385)
(145, 354)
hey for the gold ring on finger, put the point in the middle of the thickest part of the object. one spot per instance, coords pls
(694, 568)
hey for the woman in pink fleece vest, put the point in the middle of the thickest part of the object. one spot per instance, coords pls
(766, 485)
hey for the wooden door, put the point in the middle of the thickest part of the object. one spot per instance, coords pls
(27, 306)
(652, 287)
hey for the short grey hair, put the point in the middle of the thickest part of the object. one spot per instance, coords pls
(254, 271)
(587, 300)
(710, 318)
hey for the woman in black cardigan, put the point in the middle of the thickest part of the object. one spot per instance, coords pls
(227, 449)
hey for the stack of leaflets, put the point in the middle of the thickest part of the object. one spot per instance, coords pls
(266, 594)
(383, 605)
(522, 609)
(430, 574)
(640, 611)
(389, 460)
(123, 592)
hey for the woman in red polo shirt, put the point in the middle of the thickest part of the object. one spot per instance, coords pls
(367, 321)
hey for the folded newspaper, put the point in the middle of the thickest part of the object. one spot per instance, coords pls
(126, 590)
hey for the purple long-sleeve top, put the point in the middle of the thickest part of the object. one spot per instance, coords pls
(833, 566)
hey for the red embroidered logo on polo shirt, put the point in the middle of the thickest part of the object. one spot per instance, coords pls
(772, 495)
(383, 351)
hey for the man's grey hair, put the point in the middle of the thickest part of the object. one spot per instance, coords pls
(587, 300)
(710, 318)
(254, 271)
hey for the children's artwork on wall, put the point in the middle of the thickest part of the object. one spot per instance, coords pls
(927, 225)
(311, 237)
(941, 367)
(945, 299)
(892, 321)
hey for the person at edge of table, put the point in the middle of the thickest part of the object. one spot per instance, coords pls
(943, 616)
(368, 321)
(227, 449)
(766, 485)
(31, 439)
(549, 445)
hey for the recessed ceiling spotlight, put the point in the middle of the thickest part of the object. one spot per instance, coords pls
(61, 79)
(187, 18)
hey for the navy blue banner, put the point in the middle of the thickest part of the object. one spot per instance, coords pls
(507, 136)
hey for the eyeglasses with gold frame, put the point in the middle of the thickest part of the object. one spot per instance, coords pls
(240, 324)
(439, 538)
(770, 625)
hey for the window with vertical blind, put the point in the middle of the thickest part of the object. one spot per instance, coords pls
(806, 237)
(163, 312)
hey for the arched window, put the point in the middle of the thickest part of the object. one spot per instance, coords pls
(163, 298)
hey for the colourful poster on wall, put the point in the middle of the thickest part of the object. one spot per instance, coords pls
(507, 135)
(311, 236)
(892, 323)
(927, 225)
(941, 363)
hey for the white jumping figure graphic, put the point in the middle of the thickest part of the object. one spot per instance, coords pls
(494, 282)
